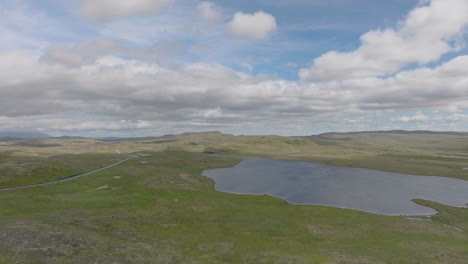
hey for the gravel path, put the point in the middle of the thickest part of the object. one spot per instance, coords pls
(69, 177)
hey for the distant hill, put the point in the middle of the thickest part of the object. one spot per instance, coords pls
(202, 133)
(23, 134)
(405, 132)
(5, 139)
(69, 137)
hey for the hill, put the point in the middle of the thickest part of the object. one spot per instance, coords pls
(23, 134)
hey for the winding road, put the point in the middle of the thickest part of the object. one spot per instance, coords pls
(69, 177)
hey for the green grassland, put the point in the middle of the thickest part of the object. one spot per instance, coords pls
(23, 170)
(164, 211)
(422, 154)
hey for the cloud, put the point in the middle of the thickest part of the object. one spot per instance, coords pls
(62, 123)
(105, 10)
(88, 52)
(443, 86)
(253, 59)
(209, 12)
(108, 89)
(257, 26)
(291, 65)
(420, 118)
(29, 30)
(116, 85)
(427, 33)
(143, 75)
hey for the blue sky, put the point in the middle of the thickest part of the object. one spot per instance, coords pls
(306, 29)
(297, 67)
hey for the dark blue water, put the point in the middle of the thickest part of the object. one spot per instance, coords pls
(360, 189)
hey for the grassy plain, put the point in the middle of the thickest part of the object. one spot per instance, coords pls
(422, 154)
(163, 211)
(24, 170)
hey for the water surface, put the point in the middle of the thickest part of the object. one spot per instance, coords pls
(314, 183)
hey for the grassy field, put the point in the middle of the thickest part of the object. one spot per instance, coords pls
(23, 170)
(158, 209)
(421, 154)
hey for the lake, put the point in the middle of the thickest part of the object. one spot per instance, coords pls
(311, 183)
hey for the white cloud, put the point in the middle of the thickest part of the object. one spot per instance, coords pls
(209, 12)
(108, 89)
(420, 117)
(62, 123)
(88, 52)
(142, 74)
(291, 65)
(257, 26)
(104, 10)
(426, 34)
(253, 59)
(24, 29)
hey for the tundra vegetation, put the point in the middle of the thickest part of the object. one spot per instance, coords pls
(157, 208)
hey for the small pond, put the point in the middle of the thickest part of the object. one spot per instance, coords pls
(361, 189)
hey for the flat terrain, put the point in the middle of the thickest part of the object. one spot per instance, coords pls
(157, 208)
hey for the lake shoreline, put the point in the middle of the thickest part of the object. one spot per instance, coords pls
(274, 177)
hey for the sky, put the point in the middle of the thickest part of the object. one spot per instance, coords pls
(119, 68)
